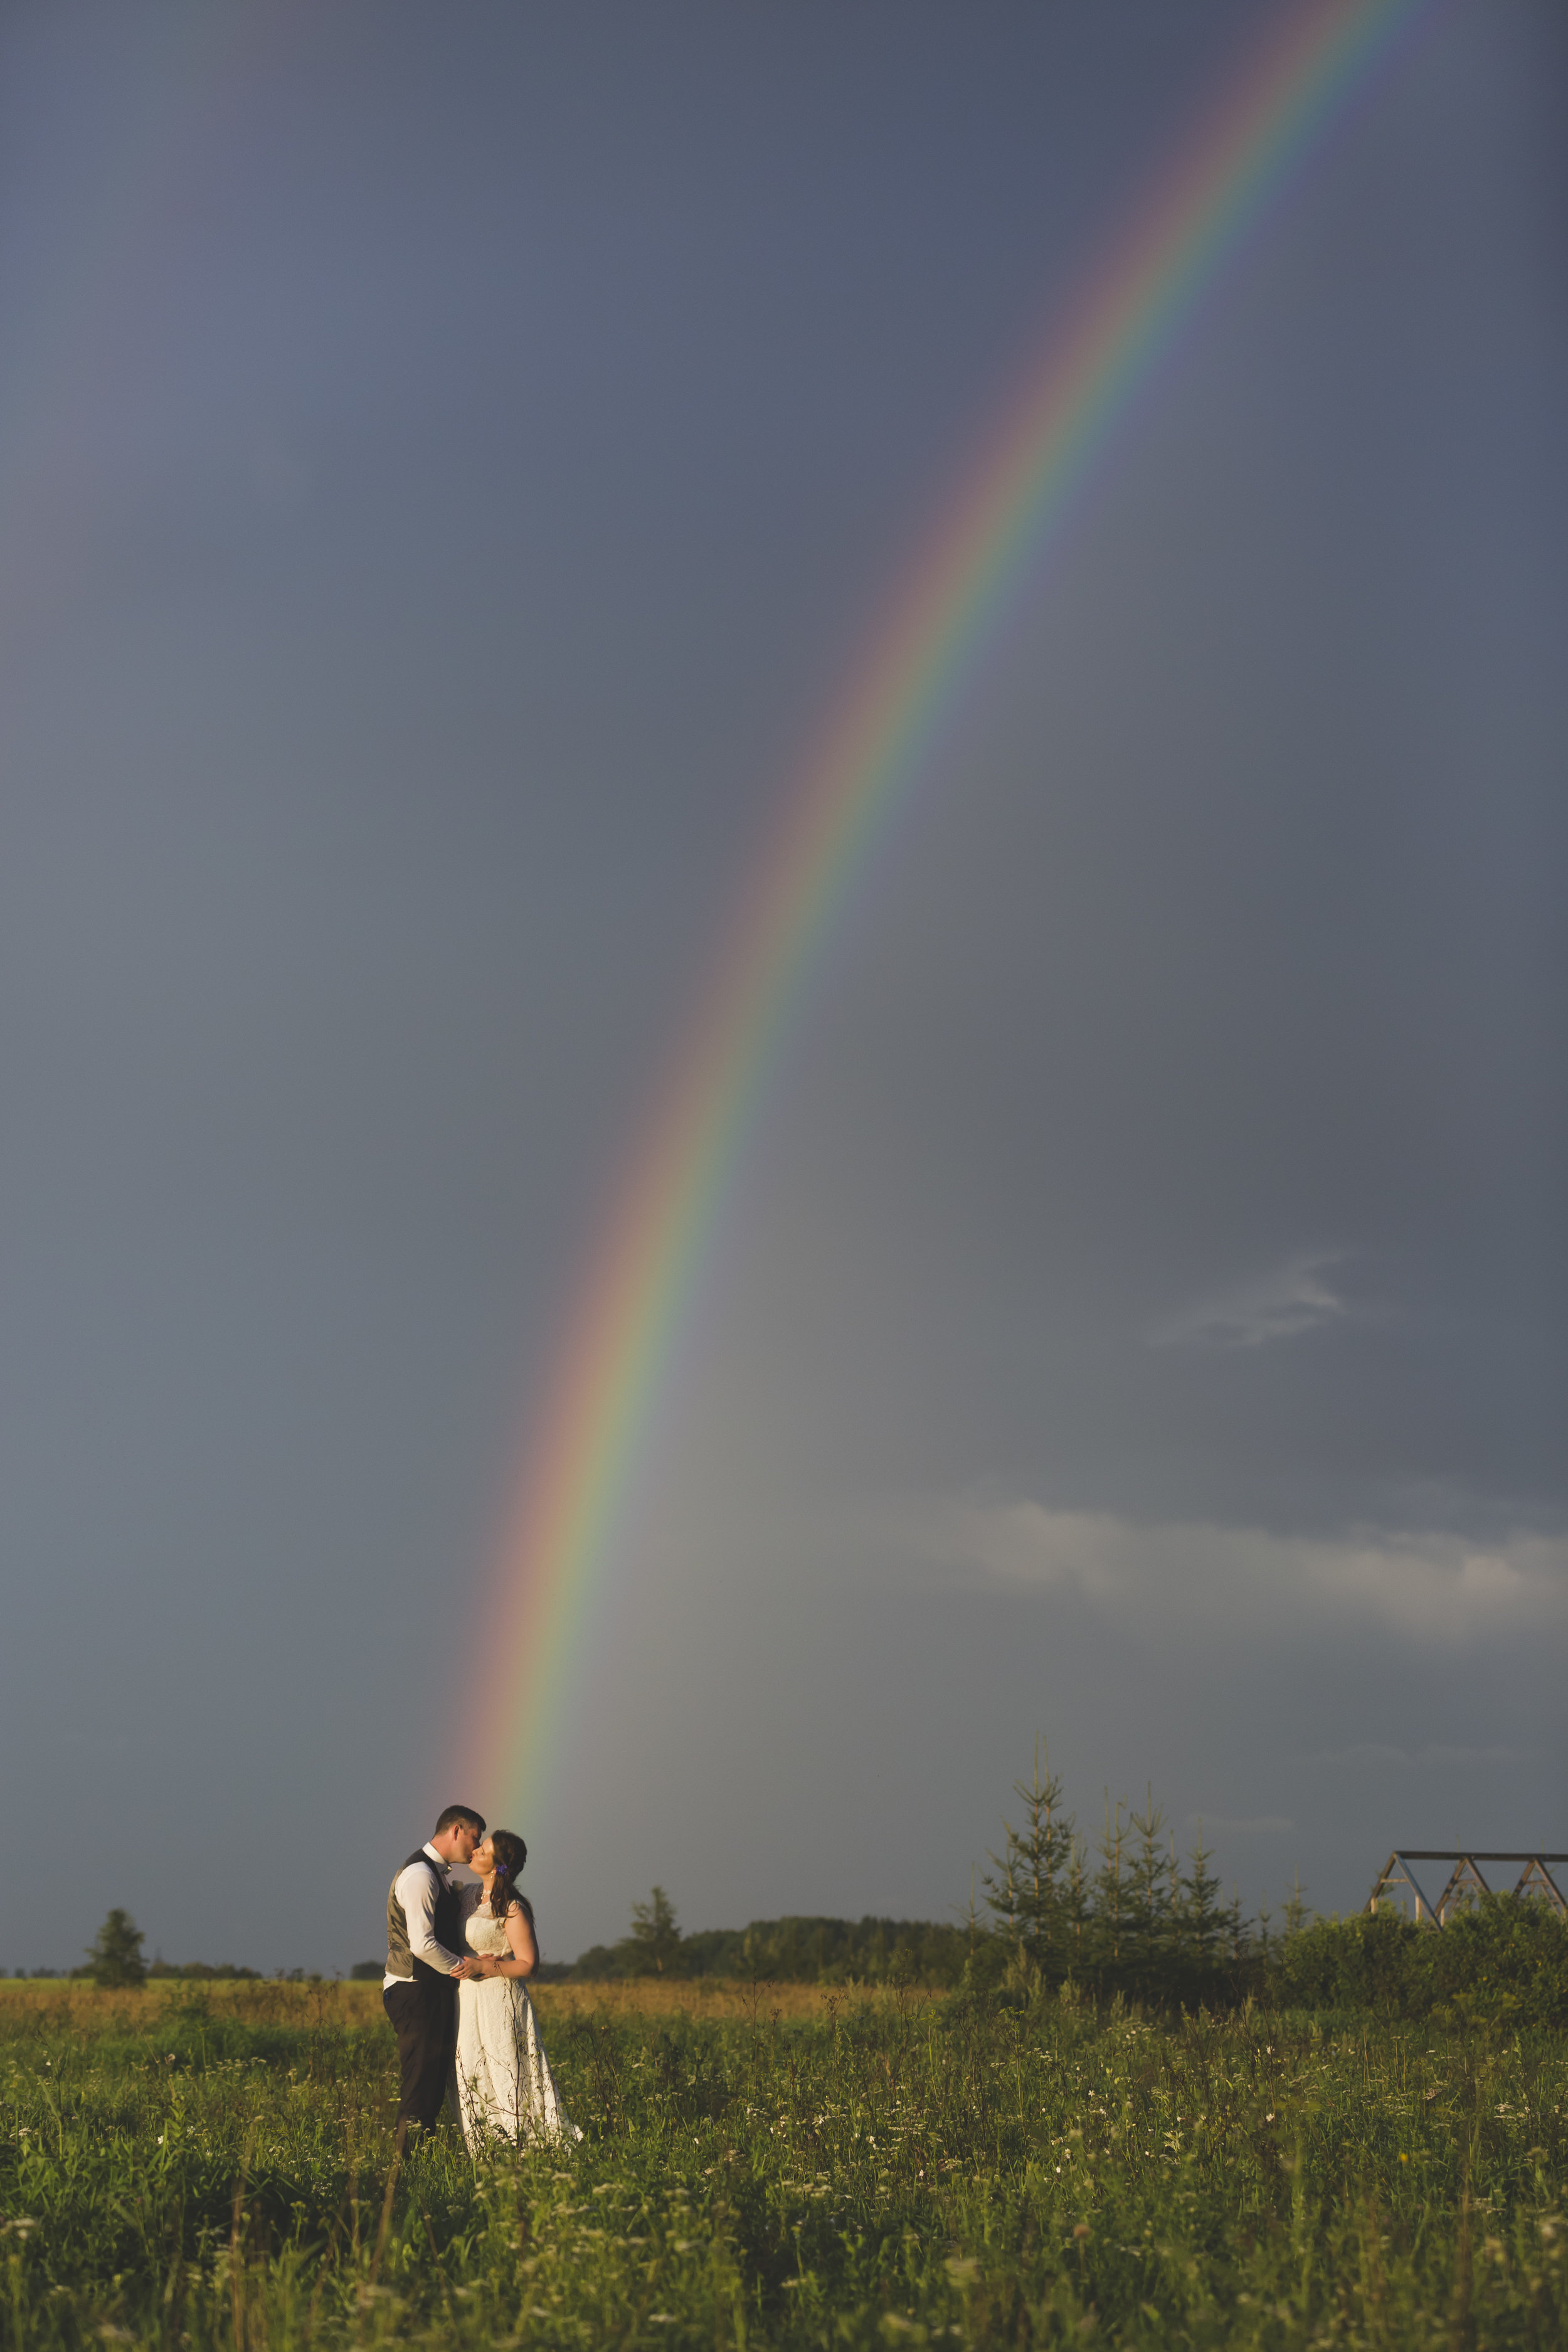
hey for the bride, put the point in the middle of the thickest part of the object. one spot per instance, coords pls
(504, 2087)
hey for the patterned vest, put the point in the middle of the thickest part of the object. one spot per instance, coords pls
(447, 1926)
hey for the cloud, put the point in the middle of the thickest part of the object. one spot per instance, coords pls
(1282, 1305)
(1436, 1587)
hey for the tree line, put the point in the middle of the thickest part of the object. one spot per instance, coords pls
(795, 1951)
(1130, 1917)
(115, 1959)
(1125, 1917)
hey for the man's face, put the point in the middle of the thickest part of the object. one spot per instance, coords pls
(466, 1836)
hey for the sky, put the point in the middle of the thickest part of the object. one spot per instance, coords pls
(450, 463)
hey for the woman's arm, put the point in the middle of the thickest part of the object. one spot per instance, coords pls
(524, 1956)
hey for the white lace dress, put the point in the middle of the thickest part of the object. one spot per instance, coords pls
(504, 2087)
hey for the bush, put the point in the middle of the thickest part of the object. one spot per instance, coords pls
(1371, 1961)
(1501, 1961)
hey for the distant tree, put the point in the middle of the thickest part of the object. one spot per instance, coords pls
(1031, 1894)
(114, 1957)
(1203, 1922)
(654, 1940)
(1147, 1894)
(1238, 1929)
(1298, 1911)
(367, 1971)
(1109, 1896)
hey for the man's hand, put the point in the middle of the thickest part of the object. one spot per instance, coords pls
(466, 1969)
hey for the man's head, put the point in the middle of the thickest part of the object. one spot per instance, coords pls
(457, 1832)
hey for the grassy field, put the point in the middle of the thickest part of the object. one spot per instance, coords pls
(781, 2166)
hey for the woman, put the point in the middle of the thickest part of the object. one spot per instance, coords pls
(504, 2087)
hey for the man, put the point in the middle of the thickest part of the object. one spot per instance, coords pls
(419, 1991)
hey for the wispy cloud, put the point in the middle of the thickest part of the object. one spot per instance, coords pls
(1235, 1580)
(1281, 1304)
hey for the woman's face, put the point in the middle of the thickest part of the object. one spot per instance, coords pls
(484, 1860)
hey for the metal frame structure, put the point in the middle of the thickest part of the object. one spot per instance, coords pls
(1465, 1880)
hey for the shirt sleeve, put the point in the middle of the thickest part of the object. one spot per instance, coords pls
(417, 1893)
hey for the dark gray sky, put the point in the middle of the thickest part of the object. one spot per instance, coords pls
(449, 461)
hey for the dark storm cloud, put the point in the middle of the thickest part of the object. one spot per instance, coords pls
(447, 469)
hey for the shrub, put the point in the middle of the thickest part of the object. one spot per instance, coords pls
(1369, 1961)
(1500, 1963)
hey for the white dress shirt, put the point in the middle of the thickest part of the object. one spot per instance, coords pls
(414, 1890)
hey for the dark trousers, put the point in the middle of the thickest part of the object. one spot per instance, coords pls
(424, 2014)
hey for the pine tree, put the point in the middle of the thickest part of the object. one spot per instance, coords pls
(114, 1957)
(1078, 1911)
(1203, 1917)
(1236, 1926)
(1027, 1896)
(1148, 1894)
(654, 1943)
(1297, 1911)
(1110, 1893)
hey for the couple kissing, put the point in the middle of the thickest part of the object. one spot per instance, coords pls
(458, 1958)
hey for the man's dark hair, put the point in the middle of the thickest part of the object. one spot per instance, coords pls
(460, 1813)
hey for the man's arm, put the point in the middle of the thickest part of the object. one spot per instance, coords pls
(417, 1893)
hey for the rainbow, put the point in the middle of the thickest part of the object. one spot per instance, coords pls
(621, 1329)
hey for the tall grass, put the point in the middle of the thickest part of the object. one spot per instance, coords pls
(216, 2169)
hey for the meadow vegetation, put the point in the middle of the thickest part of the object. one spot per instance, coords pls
(213, 2165)
(1104, 2108)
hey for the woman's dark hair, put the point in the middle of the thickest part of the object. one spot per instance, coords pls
(510, 1854)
